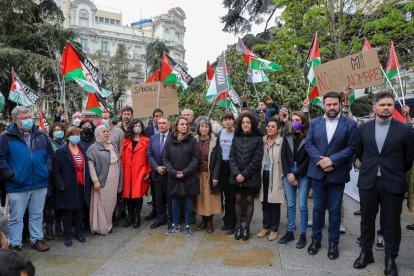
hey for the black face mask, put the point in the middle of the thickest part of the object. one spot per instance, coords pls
(87, 131)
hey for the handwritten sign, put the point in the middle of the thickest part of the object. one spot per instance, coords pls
(358, 71)
(145, 97)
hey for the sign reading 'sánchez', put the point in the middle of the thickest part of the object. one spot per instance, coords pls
(358, 71)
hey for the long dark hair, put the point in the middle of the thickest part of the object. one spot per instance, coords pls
(305, 125)
(129, 133)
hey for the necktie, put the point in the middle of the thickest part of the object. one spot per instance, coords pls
(162, 142)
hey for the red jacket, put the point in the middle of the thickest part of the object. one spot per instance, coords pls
(135, 166)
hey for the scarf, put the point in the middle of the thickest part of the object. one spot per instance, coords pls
(79, 169)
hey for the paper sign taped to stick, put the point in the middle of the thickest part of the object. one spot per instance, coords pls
(358, 71)
(145, 96)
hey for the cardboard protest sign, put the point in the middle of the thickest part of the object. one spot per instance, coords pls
(358, 71)
(145, 97)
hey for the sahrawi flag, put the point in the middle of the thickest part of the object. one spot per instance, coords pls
(172, 72)
(43, 123)
(315, 99)
(154, 77)
(21, 93)
(393, 65)
(94, 104)
(77, 67)
(255, 76)
(209, 74)
(313, 59)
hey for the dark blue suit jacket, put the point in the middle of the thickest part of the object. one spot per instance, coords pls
(340, 150)
(155, 156)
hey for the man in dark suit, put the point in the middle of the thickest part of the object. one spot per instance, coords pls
(159, 177)
(385, 149)
(330, 145)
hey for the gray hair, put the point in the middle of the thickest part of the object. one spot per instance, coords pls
(192, 113)
(17, 110)
(165, 117)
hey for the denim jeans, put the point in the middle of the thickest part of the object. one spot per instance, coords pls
(188, 201)
(326, 196)
(34, 200)
(303, 193)
(58, 220)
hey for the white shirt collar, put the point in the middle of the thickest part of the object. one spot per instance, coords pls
(336, 118)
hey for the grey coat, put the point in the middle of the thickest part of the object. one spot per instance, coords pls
(101, 157)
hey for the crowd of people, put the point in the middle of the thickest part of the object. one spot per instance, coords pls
(88, 176)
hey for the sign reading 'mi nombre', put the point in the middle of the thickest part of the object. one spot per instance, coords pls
(358, 71)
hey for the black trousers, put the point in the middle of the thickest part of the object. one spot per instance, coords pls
(154, 197)
(271, 211)
(2, 192)
(391, 208)
(229, 197)
(162, 199)
(76, 215)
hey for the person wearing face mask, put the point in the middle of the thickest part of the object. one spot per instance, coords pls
(87, 135)
(25, 163)
(71, 180)
(295, 162)
(77, 118)
(136, 169)
(56, 134)
(106, 173)
(116, 134)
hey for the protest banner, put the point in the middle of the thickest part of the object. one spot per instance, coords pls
(148, 96)
(358, 71)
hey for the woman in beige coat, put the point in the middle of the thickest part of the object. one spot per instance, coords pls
(272, 191)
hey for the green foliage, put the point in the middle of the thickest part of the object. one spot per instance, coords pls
(154, 55)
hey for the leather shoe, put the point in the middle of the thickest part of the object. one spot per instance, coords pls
(68, 242)
(40, 246)
(151, 216)
(314, 247)
(15, 248)
(49, 234)
(364, 259)
(238, 234)
(246, 233)
(157, 224)
(223, 228)
(390, 266)
(230, 231)
(80, 238)
(410, 227)
(333, 252)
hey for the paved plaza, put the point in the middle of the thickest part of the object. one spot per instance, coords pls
(143, 251)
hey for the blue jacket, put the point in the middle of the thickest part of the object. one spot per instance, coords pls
(340, 150)
(269, 113)
(23, 168)
(155, 156)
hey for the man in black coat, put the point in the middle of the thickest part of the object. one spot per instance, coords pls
(385, 149)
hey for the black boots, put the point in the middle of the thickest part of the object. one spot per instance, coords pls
(137, 221)
(302, 241)
(364, 259)
(238, 234)
(129, 219)
(246, 233)
(286, 238)
(390, 266)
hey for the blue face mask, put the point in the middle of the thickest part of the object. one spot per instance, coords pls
(74, 139)
(58, 134)
(27, 124)
(105, 122)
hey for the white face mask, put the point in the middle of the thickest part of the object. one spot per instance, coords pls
(77, 122)
(137, 129)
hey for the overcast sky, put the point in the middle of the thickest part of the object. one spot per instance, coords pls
(203, 39)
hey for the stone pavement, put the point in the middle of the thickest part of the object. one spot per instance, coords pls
(143, 251)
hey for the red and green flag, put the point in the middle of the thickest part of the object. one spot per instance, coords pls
(173, 72)
(313, 59)
(43, 123)
(263, 65)
(20, 93)
(94, 104)
(240, 47)
(209, 74)
(393, 66)
(77, 67)
(154, 77)
(398, 116)
(224, 100)
(220, 82)
(315, 99)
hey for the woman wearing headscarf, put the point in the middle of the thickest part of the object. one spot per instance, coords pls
(87, 135)
(136, 169)
(106, 173)
(71, 180)
(181, 158)
(209, 201)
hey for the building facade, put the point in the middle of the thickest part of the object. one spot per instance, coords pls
(103, 29)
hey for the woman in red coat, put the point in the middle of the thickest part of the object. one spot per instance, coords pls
(136, 170)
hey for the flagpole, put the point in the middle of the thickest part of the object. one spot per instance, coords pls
(208, 116)
(402, 91)
(158, 97)
(257, 95)
(388, 82)
(309, 81)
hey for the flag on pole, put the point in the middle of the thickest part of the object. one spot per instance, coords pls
(154, 77)
(240, 47)
(263, 65)
(224, 100)
(315, 99)
(313, 59)
(209, 74)
(94, 104)
(255, 76)
(172, 72)
(398, 116)
(1, 101)
(393, 65)
(20, 93)
(220, 82)
(355, 94)
(367, 46)
(43, 123)
(77, 67)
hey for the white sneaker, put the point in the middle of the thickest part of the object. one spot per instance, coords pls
(342, 229)
(379, 243)
(310, 223)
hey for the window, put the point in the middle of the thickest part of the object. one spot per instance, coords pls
(84, 44)
(104, 47)
(118, 22)
(112, 21)
(101, 19)
(96, 19)
(84, 18)
(107, 20)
